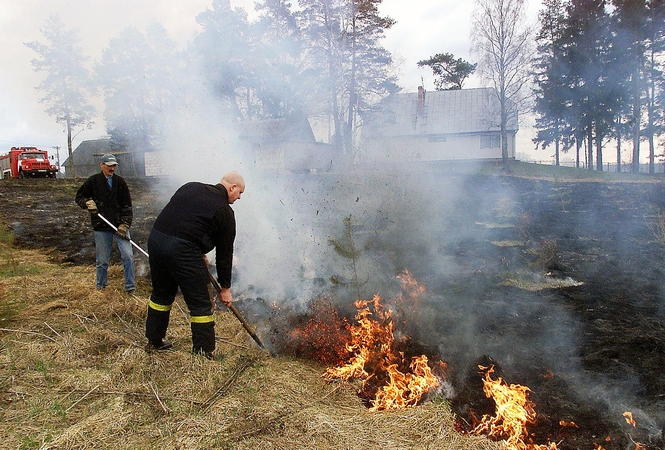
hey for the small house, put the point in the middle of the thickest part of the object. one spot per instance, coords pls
(285, 145)
(89, 153)
(437, 126)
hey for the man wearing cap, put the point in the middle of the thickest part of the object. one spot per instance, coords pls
(108, 194)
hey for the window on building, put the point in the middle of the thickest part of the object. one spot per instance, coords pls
(490, 141)
(437, 138)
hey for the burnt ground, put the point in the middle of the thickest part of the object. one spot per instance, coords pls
(593, 350)
(589, 350)
(42, 214)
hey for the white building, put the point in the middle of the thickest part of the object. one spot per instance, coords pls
(436, 126)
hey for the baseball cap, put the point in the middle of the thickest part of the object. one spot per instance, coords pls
(109, 160)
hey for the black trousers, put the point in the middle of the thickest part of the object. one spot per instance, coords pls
(177, 263)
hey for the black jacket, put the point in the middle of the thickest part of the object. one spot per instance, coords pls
(115, 204)
(200, 213)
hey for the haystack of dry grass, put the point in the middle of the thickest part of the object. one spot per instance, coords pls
(74, 375)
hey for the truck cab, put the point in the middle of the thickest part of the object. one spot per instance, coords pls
(26, 162)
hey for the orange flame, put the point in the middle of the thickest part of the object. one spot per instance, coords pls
(513, 411)
(564, 423)
(629, 418)
(389, 380)
(412, 288)
(631, 421)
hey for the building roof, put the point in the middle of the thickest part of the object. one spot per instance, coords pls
(277, 130)
(437, 112)
(90, 152)
(88, 155)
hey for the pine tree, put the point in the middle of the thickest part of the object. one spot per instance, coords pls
(221, 50)
(135, 73)
(451, 72)
(551, 91)
(344, 50)
(277, 82)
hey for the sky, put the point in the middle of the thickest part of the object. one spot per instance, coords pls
(423, 28)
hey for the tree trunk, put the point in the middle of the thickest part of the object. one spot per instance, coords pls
(504, 150)
(651, 74)
(557, 144)
(504, 133)
(599, 151)
(619, 146)
(636, 122)
(589, 139)
(348, 132)
(332, 74)
(69, 147)
(577, 157)
(650, 128)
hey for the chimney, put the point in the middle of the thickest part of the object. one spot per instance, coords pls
(421, 100)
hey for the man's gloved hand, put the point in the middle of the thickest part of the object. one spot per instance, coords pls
(92, 206)
(122, 230)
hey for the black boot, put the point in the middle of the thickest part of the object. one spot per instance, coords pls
(156, 324)
(203, 338)
(158, 344)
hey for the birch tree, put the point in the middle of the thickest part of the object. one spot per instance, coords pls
(502, 41)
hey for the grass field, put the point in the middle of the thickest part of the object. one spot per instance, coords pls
(74, 375)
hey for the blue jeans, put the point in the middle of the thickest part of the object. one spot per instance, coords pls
(103, 243)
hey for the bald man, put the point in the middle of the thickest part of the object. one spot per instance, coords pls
(197, 219)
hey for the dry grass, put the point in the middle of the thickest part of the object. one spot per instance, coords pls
(537, 281)
(656, 223)
(74, 375)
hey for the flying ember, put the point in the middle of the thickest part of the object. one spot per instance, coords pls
(629, 418)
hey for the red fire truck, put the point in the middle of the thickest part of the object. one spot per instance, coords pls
(24, 162)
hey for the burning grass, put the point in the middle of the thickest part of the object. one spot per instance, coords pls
(74, 374)
(389, 372)
(389, 379)
(514, 411)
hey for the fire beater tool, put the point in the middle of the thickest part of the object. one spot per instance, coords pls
(235, 312)
(116, 229)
